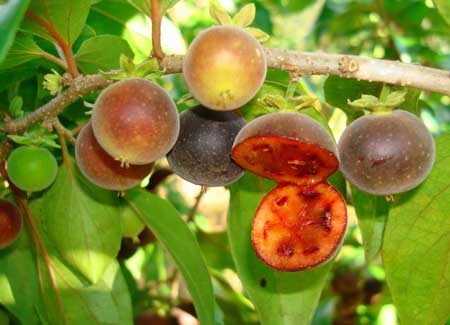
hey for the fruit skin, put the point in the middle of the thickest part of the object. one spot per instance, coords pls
(224, 67)
(386, 154)
(10, 223)
(135, 121)
(32, 168)
(132, 225)
(286, 147)
(202, 153)
(299, 227)
(103, 170)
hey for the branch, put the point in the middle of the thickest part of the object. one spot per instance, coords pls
(65, 47)
(78, 88)
(156, 29)
(361, 68)
(303, 63)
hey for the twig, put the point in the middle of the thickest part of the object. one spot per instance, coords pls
(156, 29)
(194, 208)
(65, 47)
(79, 87)
(66, 133)
(305, 63)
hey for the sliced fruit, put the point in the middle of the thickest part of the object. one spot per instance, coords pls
(299, 227)
(285, 160)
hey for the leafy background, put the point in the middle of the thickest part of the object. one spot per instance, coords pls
(74, 267)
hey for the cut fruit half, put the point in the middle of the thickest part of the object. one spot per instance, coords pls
(285, 160)
(299, 227)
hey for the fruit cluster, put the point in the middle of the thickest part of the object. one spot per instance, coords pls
(302, 221)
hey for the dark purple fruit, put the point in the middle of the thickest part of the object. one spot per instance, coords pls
(386, 154)
(202, 153)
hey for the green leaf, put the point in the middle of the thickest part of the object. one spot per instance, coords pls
(257, 33)
(219, 14)
(36, 136)
(67, 18)
(82, 222)
(245, 16)
(216, 249)
(287, 298)
(102, 53)
(416, 246)
(11, 14)
(15, 107)
(19, 286)
(338, 91)
(372, 212)
(144, 6)
(443, 6)
(395, 98)
(24, 49)
(167, 225)
(28, 292)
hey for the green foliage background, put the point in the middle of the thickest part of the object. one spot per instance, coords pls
(394, 264)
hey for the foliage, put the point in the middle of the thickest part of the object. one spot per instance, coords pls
(70, 264)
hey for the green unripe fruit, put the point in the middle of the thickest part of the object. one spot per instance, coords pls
(31, 168)
(132, 225)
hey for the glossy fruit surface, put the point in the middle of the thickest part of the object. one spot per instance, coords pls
(386, 154)
(135, 121)
(299, 227)
(132, 225)
(10, 223)
(103, 170)
(224, 67)
(32, 168)
(286, 147)
(202, 153)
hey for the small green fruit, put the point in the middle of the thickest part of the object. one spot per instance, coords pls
(31, 168)
(132, 225)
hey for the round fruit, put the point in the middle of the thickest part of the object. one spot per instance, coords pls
(135, 121)
(201, 154)
(224, 67)
(103, 170)
(386, 154)
(286, 147)
(299, 227)
(10, 223)
(32, 168)
(132, 225)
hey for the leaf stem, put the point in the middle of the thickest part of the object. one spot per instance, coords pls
(65, 47)
(156, 29)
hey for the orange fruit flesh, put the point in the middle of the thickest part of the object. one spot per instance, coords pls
(285, 160)
(298, 227)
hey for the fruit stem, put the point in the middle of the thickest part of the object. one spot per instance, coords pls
(193, 211)
(156, 30)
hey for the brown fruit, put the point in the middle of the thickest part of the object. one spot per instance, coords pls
(299, 227)
(386, 154)
(135, 121)
(286, 147)
(224, 67)
(10, 223)
(103, 170)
